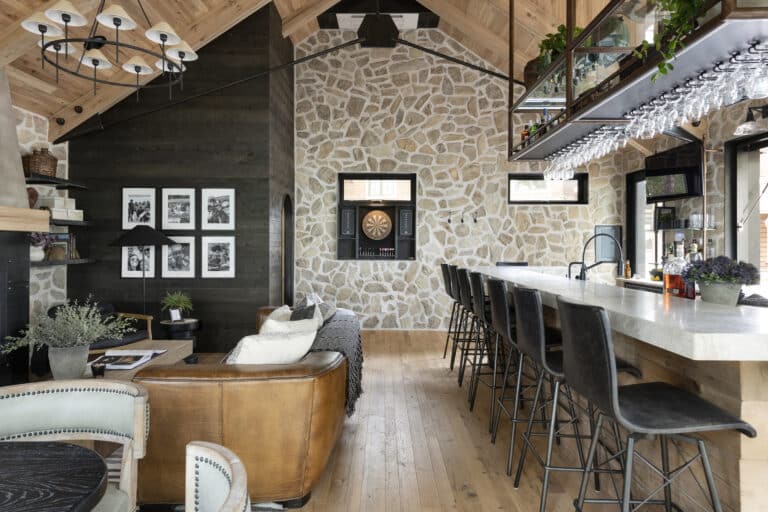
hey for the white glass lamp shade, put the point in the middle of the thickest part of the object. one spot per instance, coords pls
(63, 9)
(182, 52)
(156, 33)
(96, 59)
(114, 12)
(64, 49)
(37, 20)
(137, 65)
(168, 67)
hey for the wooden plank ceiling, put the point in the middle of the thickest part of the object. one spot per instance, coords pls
(481, 25)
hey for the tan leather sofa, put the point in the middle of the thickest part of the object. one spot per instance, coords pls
(283, 421)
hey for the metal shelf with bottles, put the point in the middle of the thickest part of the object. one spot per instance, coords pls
(602, 79)
(691, 233)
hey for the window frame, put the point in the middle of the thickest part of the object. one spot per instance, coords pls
(582, 179)
(343, 176)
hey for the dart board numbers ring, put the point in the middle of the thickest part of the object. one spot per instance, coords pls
(377, 225)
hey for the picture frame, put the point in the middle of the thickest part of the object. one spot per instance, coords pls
(139, 207)
(131, 262)
(217, 209)
(175, 315)
(178, 260)
(664, 217)
(178, 209)
(218, 256)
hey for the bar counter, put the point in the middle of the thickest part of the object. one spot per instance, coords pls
(718, 352)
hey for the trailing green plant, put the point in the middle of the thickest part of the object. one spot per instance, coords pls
(554, 43)
(177, 300)
(75, 324)
(669, 39)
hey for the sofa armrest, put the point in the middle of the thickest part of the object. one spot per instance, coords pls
(314, 364)
(137, 316)
(261, 314)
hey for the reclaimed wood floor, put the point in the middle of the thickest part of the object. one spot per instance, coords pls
(413, 445)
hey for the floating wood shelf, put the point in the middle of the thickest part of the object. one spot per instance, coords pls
(59, 183)
(79, 261)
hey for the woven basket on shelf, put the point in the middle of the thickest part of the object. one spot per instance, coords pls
(40, 162)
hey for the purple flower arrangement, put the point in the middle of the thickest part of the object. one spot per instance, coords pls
(721, 270)
(40, 240)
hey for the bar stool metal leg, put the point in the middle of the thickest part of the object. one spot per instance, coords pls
(664, 443)
(579, 502)
(713, 496)
(450, 328)
(493, 380)
(550, 440)
(528, 430)
(458, 334)
(626, 500)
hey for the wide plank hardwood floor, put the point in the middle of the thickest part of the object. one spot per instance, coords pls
(413, 444)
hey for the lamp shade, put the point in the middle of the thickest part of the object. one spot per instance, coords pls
(171, 66)
(157, 31)
(64, 9)
(114, 12)
(182, 52)
(142, 236)
(96, 59)
(137, 65)
(63, 49)
(38, 20)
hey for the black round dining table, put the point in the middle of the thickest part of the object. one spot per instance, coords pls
(50, 477)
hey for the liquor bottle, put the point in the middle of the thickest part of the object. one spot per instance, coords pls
(627, 270)
(673, 270)
(710, 249)
(525, 133)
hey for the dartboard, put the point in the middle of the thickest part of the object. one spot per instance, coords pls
(377, 225)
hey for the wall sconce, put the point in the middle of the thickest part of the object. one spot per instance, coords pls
(450, 214)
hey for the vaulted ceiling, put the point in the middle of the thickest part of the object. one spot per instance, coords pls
(481, 25)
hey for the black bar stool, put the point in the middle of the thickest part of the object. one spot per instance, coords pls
(454, 306)
(468, 343)
(488, 354)
(647, 410)
(535, 344)
(461, 313)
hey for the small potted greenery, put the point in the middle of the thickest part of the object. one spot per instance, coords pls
(69, 335)
(720, 279)
(681, 20)
(177, 301)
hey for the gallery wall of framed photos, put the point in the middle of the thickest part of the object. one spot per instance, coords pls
(177, 213)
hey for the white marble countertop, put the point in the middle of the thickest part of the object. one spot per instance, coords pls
(694, 329)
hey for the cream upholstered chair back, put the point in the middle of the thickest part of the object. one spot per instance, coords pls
(216, 480)
(75, 410)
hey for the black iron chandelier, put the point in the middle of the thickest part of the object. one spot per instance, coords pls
(70, 54)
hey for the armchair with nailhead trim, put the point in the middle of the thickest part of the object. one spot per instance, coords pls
(216, 480)
(83, 410)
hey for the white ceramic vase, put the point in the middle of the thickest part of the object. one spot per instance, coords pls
(36, 253)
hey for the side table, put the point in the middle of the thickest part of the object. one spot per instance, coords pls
(182, 329)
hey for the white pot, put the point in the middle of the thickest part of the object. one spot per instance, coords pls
(36, 253)
(68, 363)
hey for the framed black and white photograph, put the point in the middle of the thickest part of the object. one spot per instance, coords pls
(178, 260)
(134, 265)
(218, 253)
(218, 209)
(178, 208)
(138, 207)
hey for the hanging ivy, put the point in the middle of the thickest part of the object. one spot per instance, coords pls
(669, 39)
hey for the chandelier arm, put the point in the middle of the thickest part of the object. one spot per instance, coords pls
(208, 92)
(453, 59)
(176, 70)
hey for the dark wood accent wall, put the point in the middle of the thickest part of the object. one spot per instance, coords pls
(239, 138)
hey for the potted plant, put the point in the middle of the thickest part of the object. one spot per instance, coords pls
(668, 39)
(177, 301)
(550, 49)
(720, 279)
(38, 244)
(69, 335)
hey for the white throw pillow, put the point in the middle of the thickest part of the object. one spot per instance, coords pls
(281, 314)
(271, 326)
(275, 348)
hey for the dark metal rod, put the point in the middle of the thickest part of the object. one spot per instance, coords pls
(453, 59)
(219, 88)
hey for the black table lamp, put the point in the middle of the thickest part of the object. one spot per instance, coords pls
(142, 236)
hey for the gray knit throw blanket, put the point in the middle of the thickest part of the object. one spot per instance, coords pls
(341, 333)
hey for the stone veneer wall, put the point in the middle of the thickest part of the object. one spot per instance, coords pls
(47, 285)
(401, 110)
